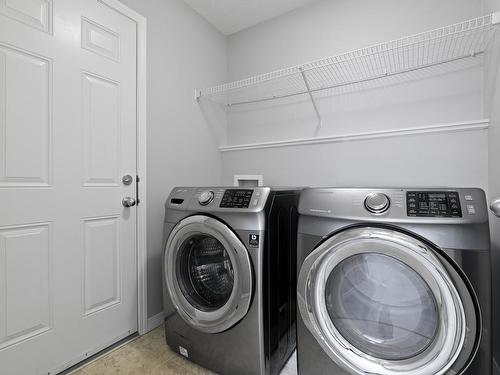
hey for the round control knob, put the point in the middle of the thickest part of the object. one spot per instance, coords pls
(206, 197)
(377, 203)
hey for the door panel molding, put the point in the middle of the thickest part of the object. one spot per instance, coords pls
(101, 161)
(26, 305)
(38, 16)
(101, 40)
(26, 80)
(101, 274)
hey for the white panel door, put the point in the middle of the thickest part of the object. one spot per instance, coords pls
(68, 279)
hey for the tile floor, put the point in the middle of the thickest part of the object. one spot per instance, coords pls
(149, 355)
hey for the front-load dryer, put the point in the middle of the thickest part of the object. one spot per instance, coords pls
(230, 277)
(394, 282)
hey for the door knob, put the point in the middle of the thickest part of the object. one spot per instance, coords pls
(495, 207)
(128, 202)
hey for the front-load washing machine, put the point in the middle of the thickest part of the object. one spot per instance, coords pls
(394, 281)
(230, 277)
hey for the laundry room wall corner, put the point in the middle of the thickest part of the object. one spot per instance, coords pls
(184, 52)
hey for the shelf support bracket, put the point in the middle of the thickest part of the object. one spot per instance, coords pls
(495, 18)
(311, 96)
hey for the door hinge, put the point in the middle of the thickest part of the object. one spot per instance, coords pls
(137, 179)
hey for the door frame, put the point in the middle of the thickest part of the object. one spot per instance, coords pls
(141, 208)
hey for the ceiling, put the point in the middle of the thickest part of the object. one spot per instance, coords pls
(231, 16)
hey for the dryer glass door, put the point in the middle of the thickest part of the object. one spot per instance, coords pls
(382, 306)
(382, 302)
(208, 274)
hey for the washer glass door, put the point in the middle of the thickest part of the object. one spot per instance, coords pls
(379, 301)
(208, 274)
(205, 272)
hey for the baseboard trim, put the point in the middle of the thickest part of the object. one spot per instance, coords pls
(431, 129)
(155, 321)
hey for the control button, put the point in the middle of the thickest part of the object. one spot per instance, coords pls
(255, 202)
(236, 198)
(377, 203)
(206, 197)
(471, 210)
(469, 198)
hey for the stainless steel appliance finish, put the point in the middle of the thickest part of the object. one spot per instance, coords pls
(394, 281)
(229, 277)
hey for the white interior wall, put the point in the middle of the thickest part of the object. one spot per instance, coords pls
(331, 27)
(491, 6)
(184, 52)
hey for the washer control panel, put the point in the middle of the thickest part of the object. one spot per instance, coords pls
(219, 199)
(236, 198)
(433, 204)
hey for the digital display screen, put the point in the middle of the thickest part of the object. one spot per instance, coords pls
(433, 204)
(236, 198)
(437, 196)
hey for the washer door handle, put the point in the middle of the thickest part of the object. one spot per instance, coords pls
(495, 207)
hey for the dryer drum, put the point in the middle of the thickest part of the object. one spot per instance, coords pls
(382, 306)
(382, 302)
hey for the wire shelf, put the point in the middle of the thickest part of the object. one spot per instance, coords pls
(444, 45)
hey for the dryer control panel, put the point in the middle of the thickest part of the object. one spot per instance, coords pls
(393, 205)
(433, 204)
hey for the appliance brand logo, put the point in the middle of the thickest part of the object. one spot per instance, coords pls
(253, 240)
